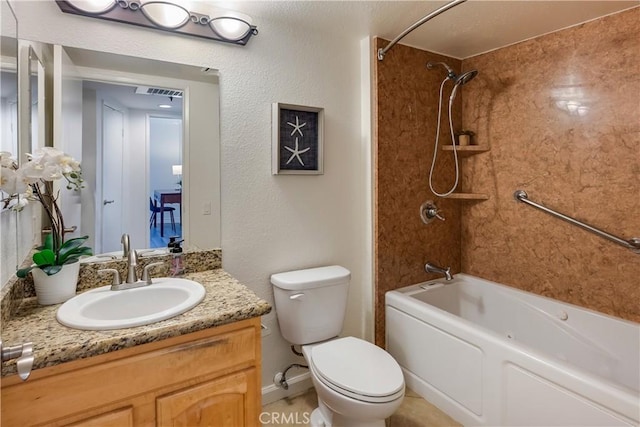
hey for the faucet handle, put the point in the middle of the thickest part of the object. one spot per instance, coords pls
(24, 357)
(116, 275)
(429, 211)
(145, 272)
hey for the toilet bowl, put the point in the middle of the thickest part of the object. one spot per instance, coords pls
(358, 384)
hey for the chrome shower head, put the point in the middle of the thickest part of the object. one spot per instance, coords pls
(462, 79)
(465, 78)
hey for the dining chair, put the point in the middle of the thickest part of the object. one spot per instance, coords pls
(155, 210)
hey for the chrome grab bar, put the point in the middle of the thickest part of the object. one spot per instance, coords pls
(633, 243)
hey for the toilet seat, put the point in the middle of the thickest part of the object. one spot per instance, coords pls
(357, 369)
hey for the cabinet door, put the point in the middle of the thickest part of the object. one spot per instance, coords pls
(227, 401)
(118, 418)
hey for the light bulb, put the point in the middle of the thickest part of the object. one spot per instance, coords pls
(231, 26)
(165, 14)
(93, 6)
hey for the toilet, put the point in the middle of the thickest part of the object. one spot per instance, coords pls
(358, 384)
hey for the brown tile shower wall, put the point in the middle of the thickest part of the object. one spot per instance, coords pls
(406, 103)
(562, 116)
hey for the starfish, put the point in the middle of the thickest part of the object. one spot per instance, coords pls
(296, 153)
(297, 126)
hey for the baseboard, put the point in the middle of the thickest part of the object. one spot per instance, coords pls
(297, 385)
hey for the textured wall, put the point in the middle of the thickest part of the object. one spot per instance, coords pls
(406, 103)
(269, 223)
(584, 165)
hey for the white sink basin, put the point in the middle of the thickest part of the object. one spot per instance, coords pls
(103, 309)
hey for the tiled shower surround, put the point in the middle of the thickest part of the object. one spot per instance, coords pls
(561, 114)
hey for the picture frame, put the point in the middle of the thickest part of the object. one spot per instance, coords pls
(297, 139)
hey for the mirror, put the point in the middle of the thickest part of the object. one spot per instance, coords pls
(9, 129)
(137, 156)
(65, 72)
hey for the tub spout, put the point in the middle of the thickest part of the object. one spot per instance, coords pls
(432, 268)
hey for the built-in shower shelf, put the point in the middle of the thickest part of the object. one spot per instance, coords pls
(468, 196)
(467, 150)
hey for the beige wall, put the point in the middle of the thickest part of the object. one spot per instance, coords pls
(270, 223)
(586, 166)
(406, 103)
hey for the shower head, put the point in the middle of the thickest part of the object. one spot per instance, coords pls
(460, 80)
(465, 78)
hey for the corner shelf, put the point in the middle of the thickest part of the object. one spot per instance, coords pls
(463, 151)
(467, 150)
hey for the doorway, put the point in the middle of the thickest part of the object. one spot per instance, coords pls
(165, 179)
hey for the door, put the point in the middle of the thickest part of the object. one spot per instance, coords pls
(226, 401)
(111, 178)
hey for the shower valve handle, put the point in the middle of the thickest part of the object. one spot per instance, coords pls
(429, 211)
(433, 213)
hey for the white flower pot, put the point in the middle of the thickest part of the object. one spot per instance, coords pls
(58, 287)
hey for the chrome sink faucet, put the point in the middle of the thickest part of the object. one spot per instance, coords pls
(132, 263)
(125, 246)
(132, 276)
(432, 268)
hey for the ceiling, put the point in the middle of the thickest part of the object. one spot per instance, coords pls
(125, 95)
(471, 28)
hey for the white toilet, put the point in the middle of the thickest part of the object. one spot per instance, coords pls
(358, 383)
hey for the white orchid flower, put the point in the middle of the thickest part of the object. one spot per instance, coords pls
(7, 180)
(21, 202)
(31, 172)
(6, 160)
(51, 172)
(11, 182)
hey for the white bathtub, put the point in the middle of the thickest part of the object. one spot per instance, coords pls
(488, 354)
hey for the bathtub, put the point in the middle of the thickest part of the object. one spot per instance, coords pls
(488, 354)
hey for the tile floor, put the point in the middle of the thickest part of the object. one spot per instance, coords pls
(414, 412)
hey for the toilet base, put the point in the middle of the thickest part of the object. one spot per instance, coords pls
(324, 417)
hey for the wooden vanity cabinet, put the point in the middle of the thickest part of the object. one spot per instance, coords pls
(205, 378)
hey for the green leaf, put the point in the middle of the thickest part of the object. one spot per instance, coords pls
(48, 242)
(22, 273)
(72, 247)
(77, 254)
(50, 270)
(44, 257)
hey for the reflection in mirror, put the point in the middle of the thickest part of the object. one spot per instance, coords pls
(9, 130)
(135, 152)
(142, 123)
(9, 101)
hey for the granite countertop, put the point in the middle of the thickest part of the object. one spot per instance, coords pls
(226, 301)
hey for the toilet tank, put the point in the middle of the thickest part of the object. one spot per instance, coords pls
(311, 303)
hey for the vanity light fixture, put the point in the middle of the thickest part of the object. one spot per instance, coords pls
(168, 15)
(166, 106)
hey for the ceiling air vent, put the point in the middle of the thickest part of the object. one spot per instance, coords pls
(146, 90)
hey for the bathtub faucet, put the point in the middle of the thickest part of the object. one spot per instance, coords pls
(432, 268)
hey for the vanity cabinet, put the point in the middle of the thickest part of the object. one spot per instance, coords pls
(205, 378)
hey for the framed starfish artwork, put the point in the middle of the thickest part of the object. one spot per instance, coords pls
(297, 140)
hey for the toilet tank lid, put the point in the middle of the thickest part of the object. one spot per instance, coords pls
(311, 278)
